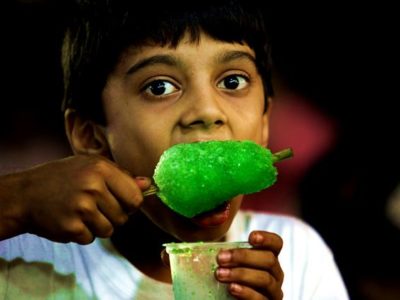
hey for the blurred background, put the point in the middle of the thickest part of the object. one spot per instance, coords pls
(334, 82)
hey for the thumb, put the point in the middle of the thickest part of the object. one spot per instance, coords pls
(165, 257)
(143, 182)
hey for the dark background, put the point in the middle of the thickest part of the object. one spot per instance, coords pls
(335, 72)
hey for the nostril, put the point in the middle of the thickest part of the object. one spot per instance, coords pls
(198, 122)
(205, 123)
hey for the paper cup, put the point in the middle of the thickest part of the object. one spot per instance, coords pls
(193, 268)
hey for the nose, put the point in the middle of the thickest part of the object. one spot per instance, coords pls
(204, 110)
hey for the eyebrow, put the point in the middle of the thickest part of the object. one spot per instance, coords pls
(153, 60)
(229, 56)
(169, 60)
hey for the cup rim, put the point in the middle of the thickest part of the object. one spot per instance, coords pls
(196, 245)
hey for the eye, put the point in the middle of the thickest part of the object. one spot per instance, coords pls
(160, 88)
(233, 82)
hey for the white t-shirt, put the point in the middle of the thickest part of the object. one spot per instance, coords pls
(35, 268)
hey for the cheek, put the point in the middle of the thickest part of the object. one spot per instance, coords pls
(130, 150)
(250, 126)
(249, 117)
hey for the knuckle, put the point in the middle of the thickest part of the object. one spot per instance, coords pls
(85, 207)
(85, 239)
(241, 291)
(101, 166)
(121, 219)
(79, 233)
(269, 237)
(239, 255)
(93, 170)
(91, 183)
(134, 202)
(106, 231)
(277, 239)
(240, 275)
(280, 240)
(268, 279)
(75, 228)
(272, 260)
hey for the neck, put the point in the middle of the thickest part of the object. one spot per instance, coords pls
(141, 242)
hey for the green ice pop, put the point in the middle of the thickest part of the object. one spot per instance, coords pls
(192, 178)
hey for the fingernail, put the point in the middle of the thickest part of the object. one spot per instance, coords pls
(236, 288)
(224, 256)
(223, 272)
(142, 181)
(257, 238)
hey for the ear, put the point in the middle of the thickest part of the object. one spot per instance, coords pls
(85, 136)
(265, 123)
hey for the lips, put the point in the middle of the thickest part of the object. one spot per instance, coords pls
(214, 217)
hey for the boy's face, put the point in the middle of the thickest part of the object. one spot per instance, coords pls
(160, 96)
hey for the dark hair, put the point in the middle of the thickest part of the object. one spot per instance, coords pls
(100, 30)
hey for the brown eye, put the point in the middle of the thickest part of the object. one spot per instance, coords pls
(233, 82)
(160, 88)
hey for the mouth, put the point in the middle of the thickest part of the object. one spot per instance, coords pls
(213, 218)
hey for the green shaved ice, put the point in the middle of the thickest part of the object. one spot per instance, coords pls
(197, 177)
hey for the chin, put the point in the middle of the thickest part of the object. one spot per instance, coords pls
(203, 235)
(209, 226)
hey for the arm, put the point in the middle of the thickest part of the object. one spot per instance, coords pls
(73, 199)
(10, 211)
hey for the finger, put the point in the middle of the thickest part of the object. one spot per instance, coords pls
(84, 238)
(111, 208)
(143, 183)
(58, 234)
(64, 229)
(99, 225)
(258, 280)
(244, 292)
(91, 216)
(165, 257)
(251, 258)
(78, 232)
(266, 240)
(127, 190)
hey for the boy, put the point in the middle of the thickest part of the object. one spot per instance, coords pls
(137, 81)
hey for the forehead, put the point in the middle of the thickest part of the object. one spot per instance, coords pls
(205, 49)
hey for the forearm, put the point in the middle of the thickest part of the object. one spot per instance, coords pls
(11, 210)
